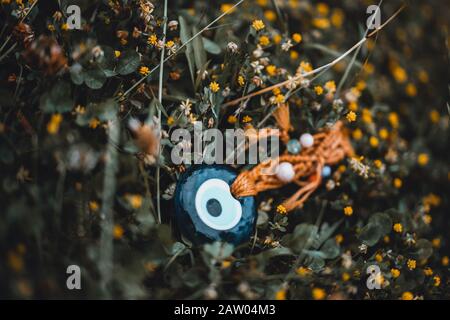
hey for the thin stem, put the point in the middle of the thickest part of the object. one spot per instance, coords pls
(160, 95)
(109, 191)
(8, 52)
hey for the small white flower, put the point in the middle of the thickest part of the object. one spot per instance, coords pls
(286, 46)
(185, 106)
(232, 47)
(258, 52)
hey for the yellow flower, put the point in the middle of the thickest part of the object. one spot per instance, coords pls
(15, 261)
(271, 70)
(345, 276)
(353, 106)
(423, 76)
(348, 211)
(93, 123)
(118, 232)
(117, 53)
(305, 66)
(170, 44)
(422, 159)
(445, 261)
(264, 40)
(64, 27)
(135, 200)
(339, 238)
(226, 7)
(395, 273)
(279, 98)
(246, 119)
(51, 27)
(436, 242)
(281, 209)
(318, 90)
(357, 134)
(337, 18)
(373, 142)
(318, 294)
(262, 3)
(170, 120)
(366, 116)
(411, 263)
(293, 55)
(321, 23)
(297, 37)
(144, 70)
(411, 90)
(54, 123)
(323, 9)
(351, 116)
(153, 40)
(383, 133)
(302, 271)
(226, 264)
(399, 74)
(427, 219)
(232, 119)
(428, 271)
(93, 206)
(258, 25)
(270, 15)
(214, 86)
(398, 227)
(407, 295)
(437, 281)
(378, 163)
(434, 116)
(393, 119)
(378, 258)
(280, 295)
(331, 87)
(361, 85)
(398, 183)
(277, 39)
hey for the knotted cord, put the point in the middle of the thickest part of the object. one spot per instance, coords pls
(330, 147)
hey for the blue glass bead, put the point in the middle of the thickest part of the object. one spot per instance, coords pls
(326, 171)
(294, 146)
(206, 211)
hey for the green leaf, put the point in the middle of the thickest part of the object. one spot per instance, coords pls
(128, 63)
(211, 46)
(77, 74)
(330, 249)
(58, 99)
(199, 50)
(424, 249)
(370, 234)
(95, 79)
(383, 221)
(108, 61)
(185, 35)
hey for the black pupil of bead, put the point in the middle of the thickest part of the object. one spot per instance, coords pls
(214, 208)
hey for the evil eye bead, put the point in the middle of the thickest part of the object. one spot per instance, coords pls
(205, 209)
(294, 146)
(306, 140)
(326, 171)
(285, 172)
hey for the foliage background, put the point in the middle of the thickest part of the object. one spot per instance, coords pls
(76, 188)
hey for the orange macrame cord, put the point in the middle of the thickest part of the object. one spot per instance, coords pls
(329, 148)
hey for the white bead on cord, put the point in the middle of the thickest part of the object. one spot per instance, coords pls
(285, 172)
(306, 140)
